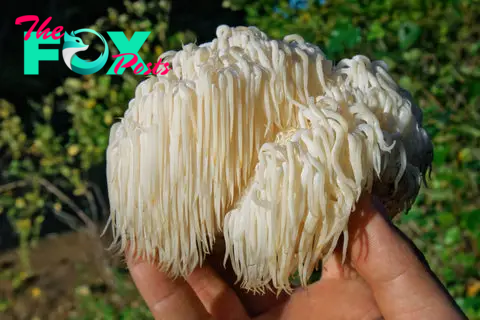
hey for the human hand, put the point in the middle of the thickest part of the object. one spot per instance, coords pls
(383, 278)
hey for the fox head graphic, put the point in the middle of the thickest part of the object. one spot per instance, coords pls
(71, 46)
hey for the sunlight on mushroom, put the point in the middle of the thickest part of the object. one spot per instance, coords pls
(266, 143)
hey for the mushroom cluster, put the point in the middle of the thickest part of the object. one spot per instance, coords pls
(266, 143)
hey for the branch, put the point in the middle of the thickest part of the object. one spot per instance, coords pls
(433, 98)
(13, 185)
(67, 218)
(97, 249)
(55, 191)
(66, 200)
(101, 199)
(91, 228)
(92, 204)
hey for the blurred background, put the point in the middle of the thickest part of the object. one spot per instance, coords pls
(54, 131)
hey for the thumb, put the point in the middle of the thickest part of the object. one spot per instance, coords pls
(403, 285)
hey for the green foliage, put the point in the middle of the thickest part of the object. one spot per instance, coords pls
(124, 304)
(432, 49)
(51, 168)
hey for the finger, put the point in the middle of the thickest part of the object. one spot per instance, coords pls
(166, 298)
(334, 268)
(254, 304)
(402, 284)
(328, 299)
(217, 296)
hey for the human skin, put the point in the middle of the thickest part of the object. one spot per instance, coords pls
(384, 277)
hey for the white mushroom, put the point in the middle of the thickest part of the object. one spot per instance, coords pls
(266, 142)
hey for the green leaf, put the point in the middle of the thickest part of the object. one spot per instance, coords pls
(412, 55)
(408, 34)
(446, 219)
(376, 31)
(472, 220)
(452, 235)
(440, 155)
(344, 35)
(4, 305)
(469, 129)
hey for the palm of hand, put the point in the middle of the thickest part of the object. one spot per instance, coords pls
(341, 293)
(382, 277)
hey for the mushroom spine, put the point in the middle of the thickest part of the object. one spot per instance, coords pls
(265, 142)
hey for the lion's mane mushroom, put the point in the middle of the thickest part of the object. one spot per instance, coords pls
(265, 141)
